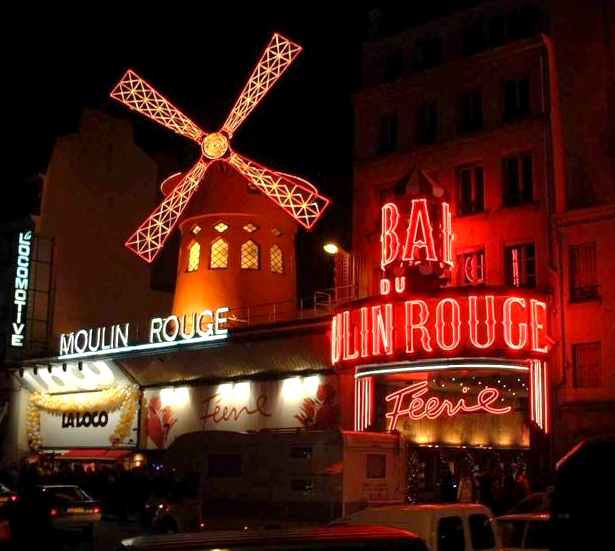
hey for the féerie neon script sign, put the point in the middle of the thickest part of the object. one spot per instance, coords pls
(409, 402)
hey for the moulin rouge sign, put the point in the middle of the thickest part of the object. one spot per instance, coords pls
(402, 325)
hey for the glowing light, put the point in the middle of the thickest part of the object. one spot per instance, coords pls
(478, 321)
(364, 407)
(447, 235)
(539, 395)
(419, 235)
(295, 196)
(507, 323)
(455, 323)
(418, 408)
(388, 236)
(382, 329)
(194, 256)
(331, 248)
(489, 321)
(20, 293)
(215, 145)
(174, 396)
(412, 326)
(297, 388)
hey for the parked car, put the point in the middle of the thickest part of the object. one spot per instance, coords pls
(57, 507)
(538, 502)
(443, 527)
(8, 498)
(525, 531)
(364, 538)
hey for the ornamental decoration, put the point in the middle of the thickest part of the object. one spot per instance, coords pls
(123, 397)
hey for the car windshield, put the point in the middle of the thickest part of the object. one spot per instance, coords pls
(66, 493)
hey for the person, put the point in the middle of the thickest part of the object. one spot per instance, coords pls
(447, 486)
(465, 491)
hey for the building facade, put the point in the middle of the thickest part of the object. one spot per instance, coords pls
(484, 108)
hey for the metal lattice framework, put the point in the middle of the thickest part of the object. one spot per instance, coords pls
(295, 196)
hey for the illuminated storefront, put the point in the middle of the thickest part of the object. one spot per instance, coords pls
(462, 369)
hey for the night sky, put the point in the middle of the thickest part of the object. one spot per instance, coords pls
(198, 57)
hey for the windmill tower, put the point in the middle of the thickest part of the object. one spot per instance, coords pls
(237, 218)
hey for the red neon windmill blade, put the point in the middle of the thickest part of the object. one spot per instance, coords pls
(295, 196)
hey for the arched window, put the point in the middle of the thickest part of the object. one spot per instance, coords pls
(194, 257)
(249, 256)
(276, 260)
(218, 257)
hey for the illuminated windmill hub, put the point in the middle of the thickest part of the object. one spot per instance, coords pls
(296, 197)
(215, 145)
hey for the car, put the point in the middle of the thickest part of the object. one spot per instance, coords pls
(525, 531)
(58, 507)
(465, 526)
(336, 538)
(8, 498)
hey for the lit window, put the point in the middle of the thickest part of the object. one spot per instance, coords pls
(517, 179)
(471, 268)
(219, 254)
(194, 256)
(249, 256)
(196, 229)
(587, 365)
(471, 190)
(583, 275)
(521, 266)
(276, 232)
(276, 260)
(250, 228)
(221, 227)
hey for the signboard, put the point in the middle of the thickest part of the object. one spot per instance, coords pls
(167, 332)
(298, 402)
(90, 429)
(20, 292)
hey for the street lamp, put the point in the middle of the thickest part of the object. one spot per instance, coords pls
(331, 248)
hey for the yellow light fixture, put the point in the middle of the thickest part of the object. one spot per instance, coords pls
(331, 248)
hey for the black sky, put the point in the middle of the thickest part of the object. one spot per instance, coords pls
(198, 55)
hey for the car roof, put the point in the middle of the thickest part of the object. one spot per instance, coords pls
(219, 539)
(429, 507)
(524, 517)
(57, 486)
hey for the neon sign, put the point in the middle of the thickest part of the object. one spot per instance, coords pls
(409, 402)
(420, 243)
(20, 295)
(173, 330)
(448, 324)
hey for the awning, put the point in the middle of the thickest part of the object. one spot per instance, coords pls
(94, 454)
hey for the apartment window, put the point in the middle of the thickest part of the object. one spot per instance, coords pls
(587, 365)
(393, 65)
(427, 53)
(496, 30)
(427, 123)
(218, 257)
(516, 99)
(387, 139)
(194, 257)
(521, 266)
(583, 278)
(471, 190)
(471, 268)
(474, 38)
(276, 260)
(470, 111)
(249, 256)
(517, 179)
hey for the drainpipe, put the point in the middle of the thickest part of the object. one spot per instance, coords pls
(556, 204)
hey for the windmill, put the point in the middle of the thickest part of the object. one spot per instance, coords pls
(295, 196)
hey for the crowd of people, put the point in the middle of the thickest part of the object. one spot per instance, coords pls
(499, 486)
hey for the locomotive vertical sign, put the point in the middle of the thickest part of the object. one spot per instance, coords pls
(19, 297)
